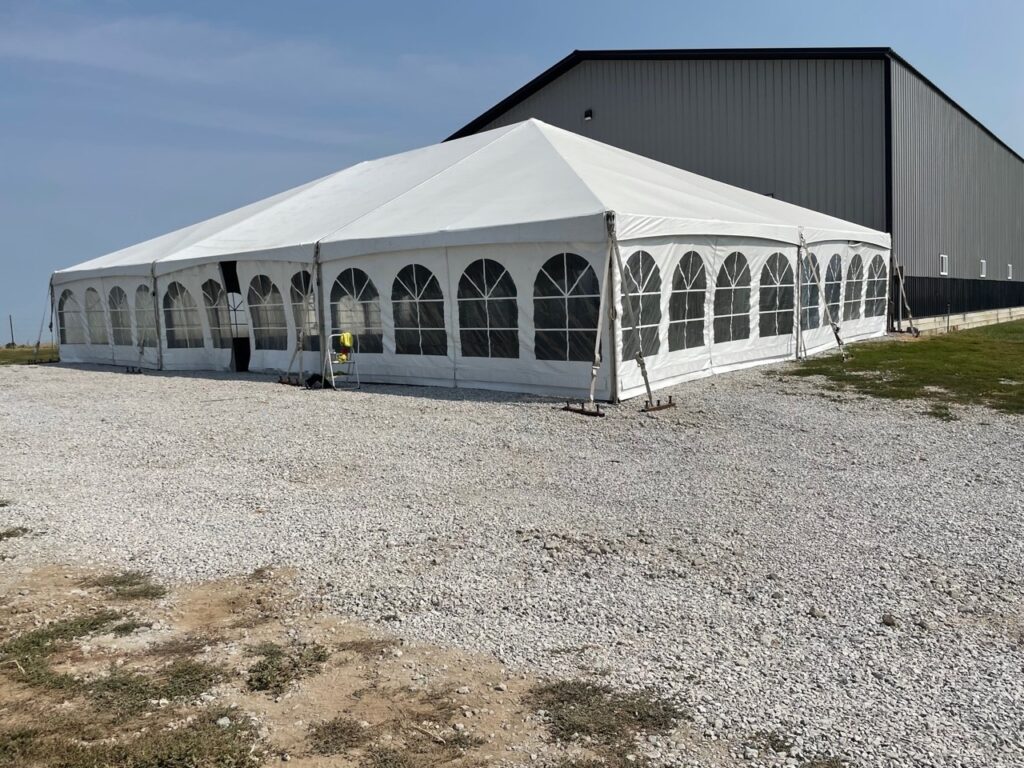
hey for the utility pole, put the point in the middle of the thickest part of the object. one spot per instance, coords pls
(10, 319)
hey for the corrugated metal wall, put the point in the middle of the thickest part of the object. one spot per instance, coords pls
(811, 132)
(956, 190)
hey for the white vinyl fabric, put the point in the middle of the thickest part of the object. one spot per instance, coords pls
(486, 262)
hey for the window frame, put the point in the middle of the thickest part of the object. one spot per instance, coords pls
(145, 318)
(810, 292)
(495, 287)
(984, 267)
(268, 319)
(96, 317)
(120, 318)
(641, 300)
(774, 316)
(853, 307)
(416, 289)
(302, 293)
(184, 335)
(70, 333)
(217, 316)
(943, 265)
(735, 286)
(574, 338)
(688, 285)
(367, 335)
(875, 288)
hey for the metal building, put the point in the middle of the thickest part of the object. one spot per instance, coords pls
(857, 133)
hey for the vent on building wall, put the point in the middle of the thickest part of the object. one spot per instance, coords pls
(588, 114)
(943, 264)
(984, 268)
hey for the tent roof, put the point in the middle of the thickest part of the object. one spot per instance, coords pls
(528, 182)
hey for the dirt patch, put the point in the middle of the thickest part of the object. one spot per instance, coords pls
(100, 668)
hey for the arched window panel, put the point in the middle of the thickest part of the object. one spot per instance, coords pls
(120, 317)
(566, 309)
(266, 311)
(776, 300)
(355, 309)
(217, 315)
(732, 299)
(145, 317)
(854, 289)
(834, 288)
(810, 293)
(304, 310)
(874, 294)
(418, 305)
(641, 311)
(181, 318)
(69, 319)
(686, 308)
(95, 317)
(488, 311)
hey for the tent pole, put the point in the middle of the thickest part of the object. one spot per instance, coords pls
(602, 308)
(156, 315)
(320, 309)
(801, 251)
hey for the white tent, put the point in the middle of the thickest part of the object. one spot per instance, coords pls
(502, 260)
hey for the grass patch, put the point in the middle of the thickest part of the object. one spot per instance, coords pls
(27, 355)
(28, 655)
(128, 693)
(980, 366)
(581, 709)
(13, 533)
(279, 667)
(336, 735)
(130, 585)
(50, 638)
(198, 744)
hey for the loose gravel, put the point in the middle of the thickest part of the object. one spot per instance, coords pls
(810, 576)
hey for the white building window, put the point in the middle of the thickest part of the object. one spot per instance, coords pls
(943, 264)
(984, 268)
(1009, 271)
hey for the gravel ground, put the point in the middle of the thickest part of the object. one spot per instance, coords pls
(833, 576)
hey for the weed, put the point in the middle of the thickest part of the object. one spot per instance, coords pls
(580, 709)
(130, 585)
(941, 412)
(336, 735)
(127, 627)
(186, 645)
(462, 741)
(279, 666)
(13, 533)
(368, 647)
(5, 503)
(386, 757)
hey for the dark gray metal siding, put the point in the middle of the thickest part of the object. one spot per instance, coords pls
(956, 190)
(811, 132)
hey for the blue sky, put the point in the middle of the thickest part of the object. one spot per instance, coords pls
(124, 119)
